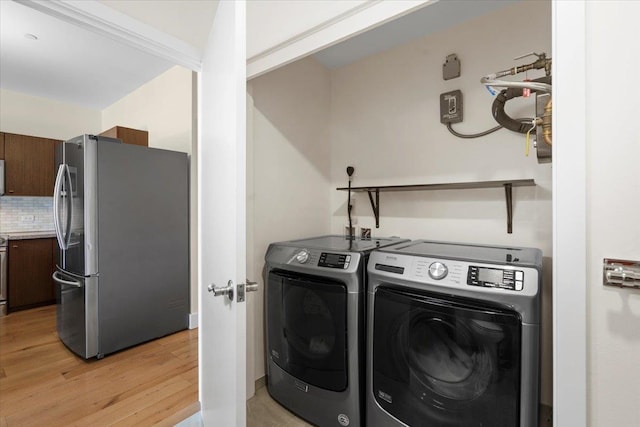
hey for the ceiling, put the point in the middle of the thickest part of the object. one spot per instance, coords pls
(427, 20)
(193, 25)
(71, 64)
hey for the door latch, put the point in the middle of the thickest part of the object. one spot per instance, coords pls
(248, 287)
(621, 273)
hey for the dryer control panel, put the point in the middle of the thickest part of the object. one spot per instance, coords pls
(495, 278)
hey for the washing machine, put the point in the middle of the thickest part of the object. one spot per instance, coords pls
(315, 324)
(453, 335)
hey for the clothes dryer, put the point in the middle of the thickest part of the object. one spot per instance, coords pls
(315, 300)
(453, 335)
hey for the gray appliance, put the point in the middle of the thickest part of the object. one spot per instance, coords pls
(121, 217)
(3, 275)
(453, 335)
(1, 177)
(315, 296)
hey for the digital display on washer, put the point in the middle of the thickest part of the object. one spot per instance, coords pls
(334, 260)
(495, 278)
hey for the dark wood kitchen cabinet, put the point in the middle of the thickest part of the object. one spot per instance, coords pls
(1, 145)
(31, 264)
(29, 165)
(128, 135)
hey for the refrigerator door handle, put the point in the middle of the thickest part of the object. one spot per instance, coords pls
(67, 237)
(75, 283)
(57, 189)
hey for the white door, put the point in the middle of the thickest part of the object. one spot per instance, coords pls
(222, 223)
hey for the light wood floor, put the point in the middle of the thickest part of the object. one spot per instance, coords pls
(43, 384)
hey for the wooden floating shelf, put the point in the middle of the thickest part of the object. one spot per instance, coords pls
(506, 184)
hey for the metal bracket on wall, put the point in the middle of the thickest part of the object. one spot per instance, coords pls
(375, 206)
(508, 197)
(508, 190)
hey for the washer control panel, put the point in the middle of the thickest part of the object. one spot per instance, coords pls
(471, 277)
(495, 278)
(331, 260)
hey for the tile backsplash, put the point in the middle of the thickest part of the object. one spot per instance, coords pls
(26, 214)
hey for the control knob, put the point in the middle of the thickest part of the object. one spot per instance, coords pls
(438, 270)
(302, 256)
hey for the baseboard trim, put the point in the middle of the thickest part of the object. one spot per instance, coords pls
(261, 382)
(193, 320)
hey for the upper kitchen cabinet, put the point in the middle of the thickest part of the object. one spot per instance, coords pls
(291, 32)
(29, 164)
(1, 145)
(128, 135)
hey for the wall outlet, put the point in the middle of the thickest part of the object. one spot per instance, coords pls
(27, 218)
(365, 233)
(451, 107)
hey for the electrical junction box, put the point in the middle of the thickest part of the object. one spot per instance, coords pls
(451, 107)
(451, 67)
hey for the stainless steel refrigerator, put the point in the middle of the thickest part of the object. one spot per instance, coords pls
(121, 216)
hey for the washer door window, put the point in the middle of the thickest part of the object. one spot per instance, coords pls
(307, 328)
(445, 362)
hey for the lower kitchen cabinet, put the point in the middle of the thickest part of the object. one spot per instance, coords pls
(31, 264)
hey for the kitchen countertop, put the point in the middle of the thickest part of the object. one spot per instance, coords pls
(22, 235)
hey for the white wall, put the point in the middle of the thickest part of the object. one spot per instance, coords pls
(613, 207)
(166, 108)
(162, 106)
(289, 191)
(35, 116)
(385, 122)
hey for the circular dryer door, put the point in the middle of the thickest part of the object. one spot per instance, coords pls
(306, 326)
(448, 361)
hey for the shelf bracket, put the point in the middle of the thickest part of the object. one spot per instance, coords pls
(509, 200)
(375, 206)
